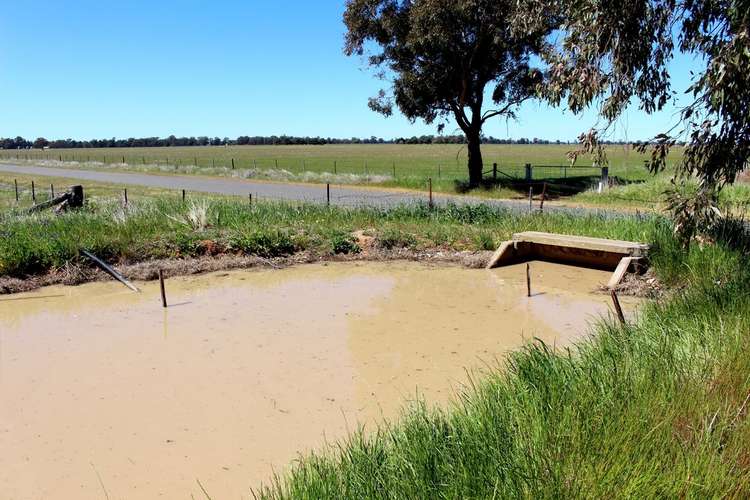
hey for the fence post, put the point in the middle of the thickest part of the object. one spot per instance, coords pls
(52, 191)
(123, 159)
(528, 172)
(394, 169)
(33, 193)
(494, 171)
(328, 195)
(430, 184)
(335, 167)
(126, 197)
(605, 177)
(232, 163)
(15, 182)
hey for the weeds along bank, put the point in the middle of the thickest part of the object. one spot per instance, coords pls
(165, 228)
(657, 409)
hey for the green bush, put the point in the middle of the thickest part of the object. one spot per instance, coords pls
(393, 237)
(344, 243)
(267, 243)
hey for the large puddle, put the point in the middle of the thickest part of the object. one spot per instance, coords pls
(105, 394)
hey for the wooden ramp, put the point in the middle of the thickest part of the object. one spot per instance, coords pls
(599, 253)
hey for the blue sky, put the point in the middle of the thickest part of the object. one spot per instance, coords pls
(93, 69)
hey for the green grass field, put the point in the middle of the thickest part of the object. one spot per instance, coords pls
(445, 165)
(437, 161)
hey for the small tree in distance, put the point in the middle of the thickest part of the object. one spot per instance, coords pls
(447, 58)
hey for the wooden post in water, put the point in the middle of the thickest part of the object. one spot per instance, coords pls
(528, 280)
(163, 291)
(531, 198)
(618, 308)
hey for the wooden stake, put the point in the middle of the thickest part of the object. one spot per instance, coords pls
(618, 308)
(531, 198)
(33, 193)
(163, 292)
(328, 195)
(15, 182)
(528, 280)
(232, 163)
(126, 197)
(183, 196)
(544, 192)
(52, 190)
(430, 184)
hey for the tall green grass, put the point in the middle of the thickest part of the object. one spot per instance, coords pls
(656, 409)
(166, 227)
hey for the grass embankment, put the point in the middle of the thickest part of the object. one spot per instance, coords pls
(657, 409)
(166, 227)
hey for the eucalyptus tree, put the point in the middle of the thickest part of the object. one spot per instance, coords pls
(466, 60)
(612, 53)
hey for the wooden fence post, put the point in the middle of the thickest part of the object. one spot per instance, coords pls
(618, 308)
(528, 280)
(15, 182)
(163, 291)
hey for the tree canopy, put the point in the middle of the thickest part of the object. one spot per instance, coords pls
(615, 52)
(443, 56)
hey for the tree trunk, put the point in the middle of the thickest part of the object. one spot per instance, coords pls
(475, 158)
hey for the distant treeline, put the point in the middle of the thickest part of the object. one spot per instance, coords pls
(273, 140)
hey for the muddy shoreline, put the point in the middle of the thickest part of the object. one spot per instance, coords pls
(79, 273)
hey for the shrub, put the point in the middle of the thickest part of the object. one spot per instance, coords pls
(344, 243)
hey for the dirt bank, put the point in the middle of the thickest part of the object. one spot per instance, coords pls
(79, 273)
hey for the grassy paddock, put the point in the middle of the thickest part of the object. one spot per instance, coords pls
(657, 409)
(410, 160)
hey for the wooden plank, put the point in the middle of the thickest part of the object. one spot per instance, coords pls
(629, 248)
(621, 270)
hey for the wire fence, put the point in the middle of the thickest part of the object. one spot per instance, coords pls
(372, 170)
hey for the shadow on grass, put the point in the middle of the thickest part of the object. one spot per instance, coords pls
(557, 187)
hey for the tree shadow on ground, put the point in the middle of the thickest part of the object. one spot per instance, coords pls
(556, 187)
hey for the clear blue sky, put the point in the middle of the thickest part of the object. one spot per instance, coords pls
(92, 69)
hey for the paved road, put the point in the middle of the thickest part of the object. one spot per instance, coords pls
(340, 195)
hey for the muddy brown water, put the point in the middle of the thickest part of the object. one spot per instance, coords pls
(105, 394)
